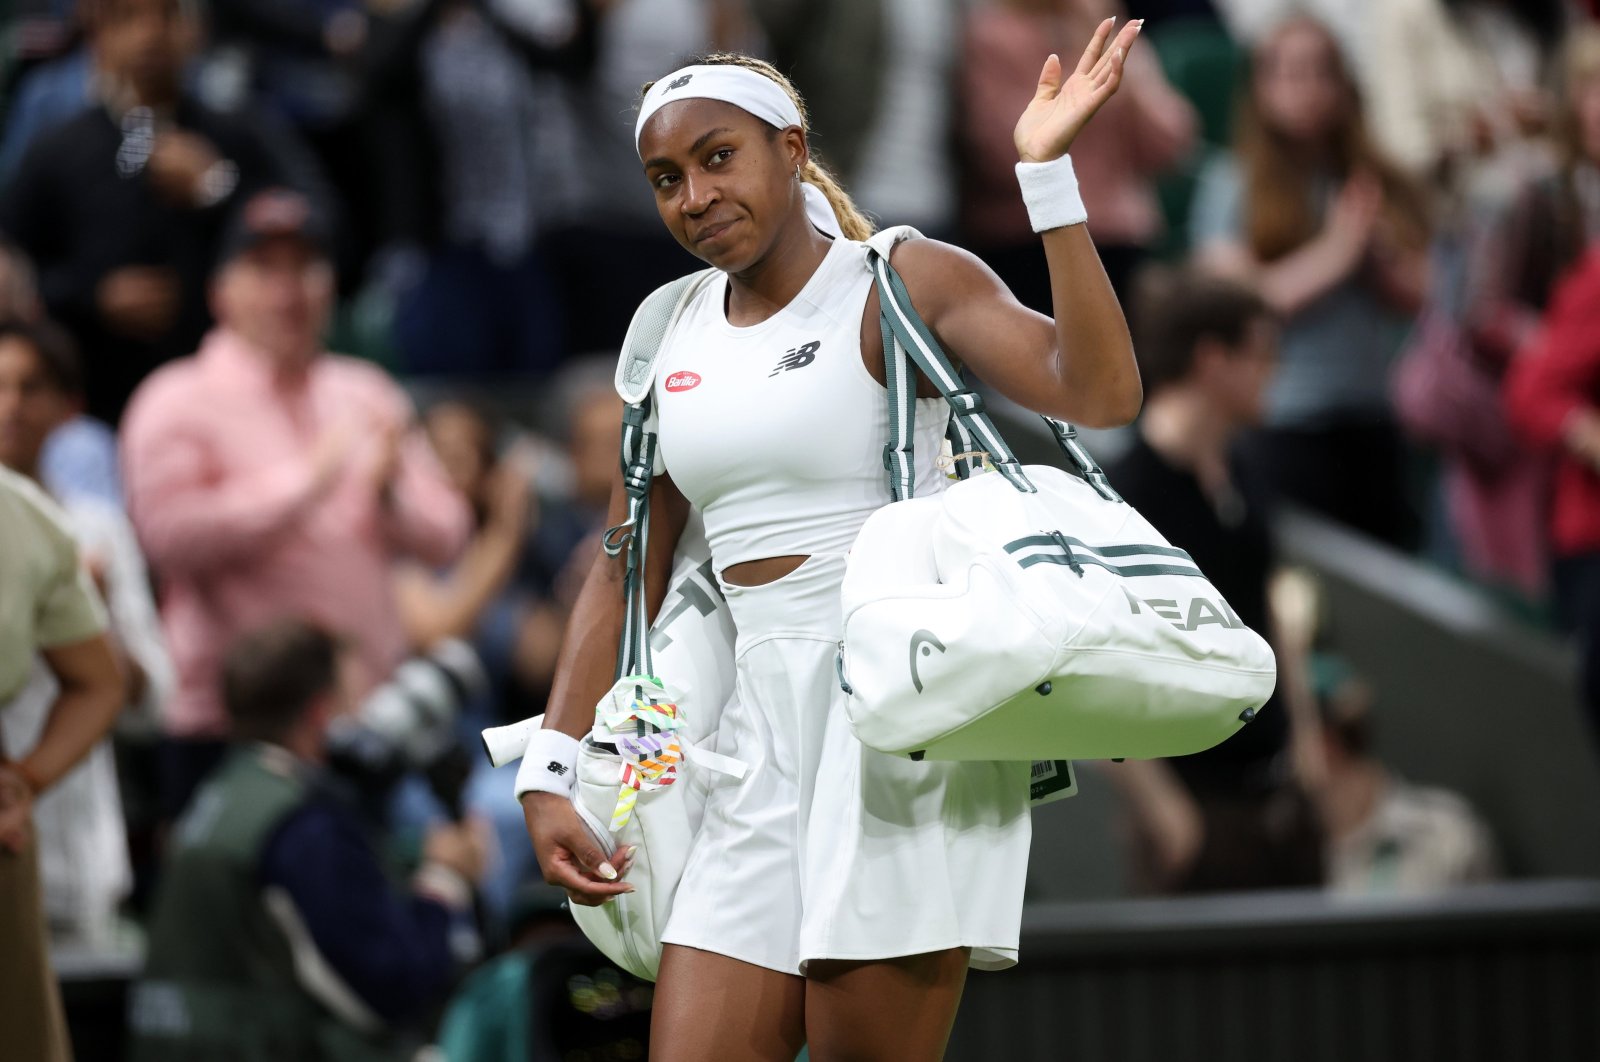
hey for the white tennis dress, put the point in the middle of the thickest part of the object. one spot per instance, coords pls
(826, 849)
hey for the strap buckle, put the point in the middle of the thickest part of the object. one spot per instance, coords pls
(967, 403)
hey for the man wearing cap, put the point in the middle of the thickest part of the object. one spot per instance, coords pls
(267, 478)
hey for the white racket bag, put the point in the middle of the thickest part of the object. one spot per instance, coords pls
(692, 641)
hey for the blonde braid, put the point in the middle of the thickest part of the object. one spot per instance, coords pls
(852, 222)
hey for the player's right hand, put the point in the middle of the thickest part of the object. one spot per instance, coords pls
(568, 855)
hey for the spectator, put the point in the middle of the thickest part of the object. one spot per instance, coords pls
(276, 933)
(121, 207)
(80, 456)
(267, 478)
(1457, 78)
(879, 81)
(1538, 235)
(1350, 22)
(49, 610)
(1511, 253)
(509, 594)
(1150, 129)
(1235, 816)
(1335, 239)
(486, 303)
(1385, 834)
(1553, 394)
(46, 96)
(478, 600)
(573, 508)
(603, 211)
(83, 844)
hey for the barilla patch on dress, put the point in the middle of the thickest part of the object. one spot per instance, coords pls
(683, 381)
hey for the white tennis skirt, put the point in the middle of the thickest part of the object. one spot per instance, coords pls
(828, 849)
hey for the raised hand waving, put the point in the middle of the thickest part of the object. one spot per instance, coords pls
(1061, 108)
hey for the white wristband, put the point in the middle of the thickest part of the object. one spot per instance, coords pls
(1050, 192)
(549, 765)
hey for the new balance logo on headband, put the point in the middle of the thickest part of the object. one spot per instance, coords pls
(798, 358)
(678, 83)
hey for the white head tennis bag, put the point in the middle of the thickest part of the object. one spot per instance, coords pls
(1030, 613)
(646, 766)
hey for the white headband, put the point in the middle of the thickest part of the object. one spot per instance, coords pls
(749, 91)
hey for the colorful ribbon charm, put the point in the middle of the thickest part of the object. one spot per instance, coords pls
(645, 727)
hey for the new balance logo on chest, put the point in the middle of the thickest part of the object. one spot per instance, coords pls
(798, 358)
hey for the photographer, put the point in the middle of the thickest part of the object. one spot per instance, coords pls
(276, 933)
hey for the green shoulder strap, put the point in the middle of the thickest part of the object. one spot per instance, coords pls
(635, 379)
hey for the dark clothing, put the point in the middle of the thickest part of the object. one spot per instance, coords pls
(186, 762)
(1354, 470)
(835, 51)
(1234, 548)
(79, 218)
(271, 875)
(391, 947)
(1266, 841)
(598, 297)
(1577, 583)
(470, 316)
(292, 66)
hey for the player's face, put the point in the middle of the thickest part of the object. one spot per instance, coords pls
(722, 180)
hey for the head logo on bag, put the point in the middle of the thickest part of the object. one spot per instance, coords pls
(925, 642)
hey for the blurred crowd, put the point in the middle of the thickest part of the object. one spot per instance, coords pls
(307, 313)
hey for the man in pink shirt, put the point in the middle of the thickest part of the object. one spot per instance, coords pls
(267, 478)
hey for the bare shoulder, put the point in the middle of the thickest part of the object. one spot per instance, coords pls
(938, 273)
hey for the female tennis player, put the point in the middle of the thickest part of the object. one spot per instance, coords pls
(836, 896)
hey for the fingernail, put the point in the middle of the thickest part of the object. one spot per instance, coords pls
(628, 889)
(632, 848)
(608, 872)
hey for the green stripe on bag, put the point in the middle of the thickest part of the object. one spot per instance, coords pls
(1129, 571)
(1099, 551)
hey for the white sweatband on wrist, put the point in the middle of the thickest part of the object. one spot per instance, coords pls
(1050, 192)
(549, 765)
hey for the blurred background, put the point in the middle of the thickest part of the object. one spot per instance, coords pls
(1354, 240)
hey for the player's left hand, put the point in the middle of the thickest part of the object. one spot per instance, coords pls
(1061, 107)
